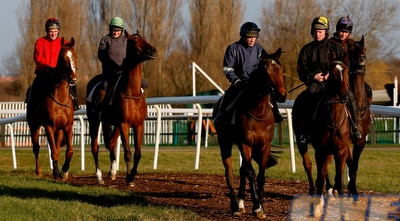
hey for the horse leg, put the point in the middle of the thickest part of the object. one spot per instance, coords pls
(322, 172)
(329, 186)
(247, 169)
(353, 166)
(127, 152)
(138, 138)
(36, 148)
(226, 157)
(111, 144)
(261, 181)
(94, 144)
(55, 151)
(242, 187)
(69, 152)
(307, 164)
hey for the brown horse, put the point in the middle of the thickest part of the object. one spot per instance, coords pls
(358, 61)
(55, 111)
(128, 110)
(330, 129)
(253, 132)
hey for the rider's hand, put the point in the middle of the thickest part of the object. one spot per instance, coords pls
(239, 83)
(320, 77)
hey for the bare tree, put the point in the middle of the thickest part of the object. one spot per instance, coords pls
(287, 24)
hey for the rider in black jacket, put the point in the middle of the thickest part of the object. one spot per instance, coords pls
(313, 67)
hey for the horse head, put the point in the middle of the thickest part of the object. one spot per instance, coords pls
(67, 62)
(271, 65)
(139, 48)
(358, 55)
(338, 80)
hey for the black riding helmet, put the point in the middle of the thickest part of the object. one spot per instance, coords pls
(249, 29)
(344, 24)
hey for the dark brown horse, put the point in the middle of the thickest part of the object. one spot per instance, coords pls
(128, 110)
(330, 129)
(253, 132)
(358, 61)
(55, 111)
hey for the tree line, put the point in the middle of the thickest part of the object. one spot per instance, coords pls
(184, 31)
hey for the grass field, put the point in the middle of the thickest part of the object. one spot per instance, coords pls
(23, 196)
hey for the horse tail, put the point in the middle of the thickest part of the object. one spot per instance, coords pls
(273, 158)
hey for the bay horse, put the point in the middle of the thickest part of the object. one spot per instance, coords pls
(253, 132)
(55, 111)
(330, 133)
(128, 109)
(358, 61)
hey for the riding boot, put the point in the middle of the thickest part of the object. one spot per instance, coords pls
(100, 97)
(144, 84)
(277, 115)
(351, 104)
(74, 98)
(225, 113)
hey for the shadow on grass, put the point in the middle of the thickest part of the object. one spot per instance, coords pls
(104, 199)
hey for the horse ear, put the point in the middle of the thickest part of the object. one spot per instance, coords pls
(278, 53)
(127, 34)
(362, 40)
(72, 42)
(137, 32)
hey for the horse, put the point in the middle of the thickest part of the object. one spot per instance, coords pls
(330, 129)
(128, 109)
(55, 111)
(252, 132)
(358, 61)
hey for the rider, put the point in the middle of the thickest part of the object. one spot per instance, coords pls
(45, 55)
(313, 69)
(342, 37)
(111, 53)
(240, 60)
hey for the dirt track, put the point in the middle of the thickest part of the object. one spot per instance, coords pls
(205, 195)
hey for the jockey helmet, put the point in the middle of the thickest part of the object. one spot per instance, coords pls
(52, 23)
(344, 24)
(249, 29)
(116, 23)
(320, 23)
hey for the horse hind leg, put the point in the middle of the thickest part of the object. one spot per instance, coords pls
(36, 149)
(226, 156)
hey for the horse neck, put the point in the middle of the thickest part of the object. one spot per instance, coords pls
(134, 80)
(261, 108)
(358, 89)
(60, 91)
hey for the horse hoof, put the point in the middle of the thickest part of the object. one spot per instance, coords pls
(100, 181)
(236, 214)
(130, 184)
(241, 206)
(112, 176)
(64, 176)
(259, 213)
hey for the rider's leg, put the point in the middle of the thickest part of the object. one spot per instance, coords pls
(351, 104)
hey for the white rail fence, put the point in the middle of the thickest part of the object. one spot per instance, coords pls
(14, 123)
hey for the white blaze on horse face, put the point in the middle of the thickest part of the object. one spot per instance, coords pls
(340, 68)
(71, 61)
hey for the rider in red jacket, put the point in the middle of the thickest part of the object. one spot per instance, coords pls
(45, 55)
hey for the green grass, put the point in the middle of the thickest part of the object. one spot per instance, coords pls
(23, 196)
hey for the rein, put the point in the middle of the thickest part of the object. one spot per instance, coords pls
(264, 118)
